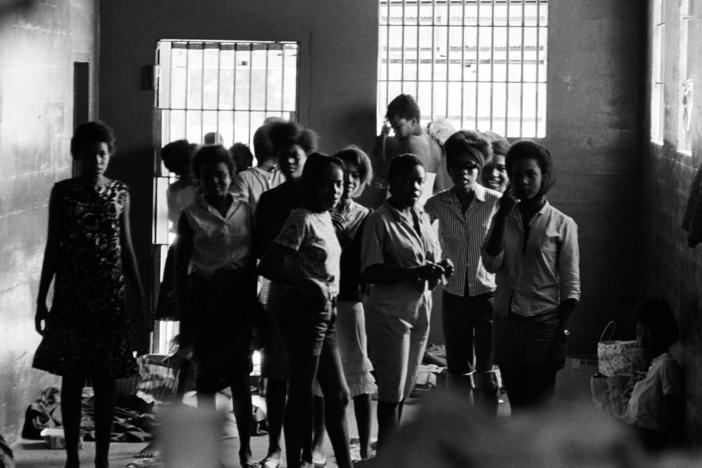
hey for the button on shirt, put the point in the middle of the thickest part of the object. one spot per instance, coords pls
(461, 234)
(390, 238)
(219, 242)
(535, 278)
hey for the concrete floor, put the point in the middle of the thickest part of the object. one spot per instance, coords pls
(572, 385)
(34, 454)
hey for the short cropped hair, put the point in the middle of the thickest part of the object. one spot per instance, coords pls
(498, 143)
(402, 165)
(356, 156)
(242, 156)
(262, 145)
(466, 142)
(527, 149)
(284, 134)
(92, 132)
(177, 156)
(213, 154)
(655, 313)
(403, 106)
(311, 174)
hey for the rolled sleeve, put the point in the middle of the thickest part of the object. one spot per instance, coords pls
(569, 262)
(492, 263)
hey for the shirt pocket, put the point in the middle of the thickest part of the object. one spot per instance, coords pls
(549, 247)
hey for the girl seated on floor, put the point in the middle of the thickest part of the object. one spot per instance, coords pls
(216, 287)
(656, 404)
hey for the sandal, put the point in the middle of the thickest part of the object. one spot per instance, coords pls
(269, 462)
(319, 462)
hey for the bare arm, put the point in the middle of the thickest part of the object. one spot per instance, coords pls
(183, 250)
(48, 268)
(131, 267)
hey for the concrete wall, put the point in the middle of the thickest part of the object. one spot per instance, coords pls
(594, 107)
(596, 75)
(336, 74)
(672, 269)
(39, 41)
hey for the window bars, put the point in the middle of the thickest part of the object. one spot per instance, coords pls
(228, 87)
(479, 63)
(657, 71)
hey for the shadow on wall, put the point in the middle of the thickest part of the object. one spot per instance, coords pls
(134, 166)
(16, 6)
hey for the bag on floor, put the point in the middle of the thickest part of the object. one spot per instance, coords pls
(615, 357)
(44, 412)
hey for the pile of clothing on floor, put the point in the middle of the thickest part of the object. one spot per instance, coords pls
(132, 422)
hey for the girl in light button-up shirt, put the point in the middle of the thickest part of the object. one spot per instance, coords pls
(400, 257)
(533, 250)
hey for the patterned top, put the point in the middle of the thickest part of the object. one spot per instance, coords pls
(316, 249)
(87, 329)
(462, 234)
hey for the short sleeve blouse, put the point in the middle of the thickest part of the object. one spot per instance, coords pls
(316, 250)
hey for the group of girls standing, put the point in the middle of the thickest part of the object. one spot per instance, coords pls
(324, 259)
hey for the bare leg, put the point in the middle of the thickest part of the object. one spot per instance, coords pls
(104, 409)
(318, 431)
(242, 412)
(276, 391)
(71, 390)
(336, 396)
(362, 410)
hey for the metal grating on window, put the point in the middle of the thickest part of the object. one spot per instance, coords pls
(657, 72)
(228, 87)
(222, 88)
(479, 63)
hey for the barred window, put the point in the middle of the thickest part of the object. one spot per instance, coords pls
(222, 89)
(479, 63)
(657, 72)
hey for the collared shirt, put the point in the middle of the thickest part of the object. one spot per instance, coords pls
(461, 234)
(390, 238)
(535, 275)
(315, 248)
(250, 183)
(663, 378)
(219, 242)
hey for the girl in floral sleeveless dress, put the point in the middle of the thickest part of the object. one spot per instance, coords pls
(88, 254)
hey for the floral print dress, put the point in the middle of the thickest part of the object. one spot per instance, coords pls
(87, 329)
